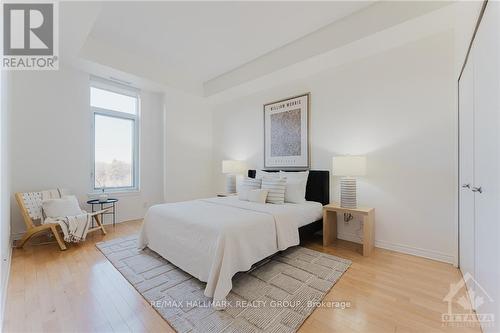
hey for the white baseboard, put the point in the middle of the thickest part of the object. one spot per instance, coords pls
(5, 287)
(17, 236)
(419, 252)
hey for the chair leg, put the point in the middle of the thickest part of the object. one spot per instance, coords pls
(59, 240)
(98, 221)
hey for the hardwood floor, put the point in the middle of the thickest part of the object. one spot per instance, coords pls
(78, 290)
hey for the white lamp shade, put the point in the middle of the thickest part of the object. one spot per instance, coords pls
(349, 165)
(232, 166)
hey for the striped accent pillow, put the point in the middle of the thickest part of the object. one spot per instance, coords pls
(251, 183)
(247, 185)
(276, 189)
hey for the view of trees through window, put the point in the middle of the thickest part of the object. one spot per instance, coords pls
(113, 174)
(114, 139)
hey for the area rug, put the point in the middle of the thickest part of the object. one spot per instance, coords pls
(275, 296)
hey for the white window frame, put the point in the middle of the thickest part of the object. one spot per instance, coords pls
(123, 90)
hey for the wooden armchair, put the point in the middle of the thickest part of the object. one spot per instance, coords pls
(30, 204)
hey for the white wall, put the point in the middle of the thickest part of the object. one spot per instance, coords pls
(5, 242)
(188, 147)
(51, 137)
(396, 107)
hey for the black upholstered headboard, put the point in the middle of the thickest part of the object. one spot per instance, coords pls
(318, 185)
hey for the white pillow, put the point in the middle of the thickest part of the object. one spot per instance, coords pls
(65, 206)
(296, 183)
(276, 188)
(295, 175)
(259, 174)
(295, 191)
(258, 196)
(247, 185)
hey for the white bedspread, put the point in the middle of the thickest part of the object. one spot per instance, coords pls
(213, 239)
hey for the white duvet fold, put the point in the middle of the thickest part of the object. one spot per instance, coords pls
(286, 221)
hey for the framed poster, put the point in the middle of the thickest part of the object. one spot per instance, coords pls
(286, 133)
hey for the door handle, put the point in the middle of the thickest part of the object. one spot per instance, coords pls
(477, 189)
(465, 185)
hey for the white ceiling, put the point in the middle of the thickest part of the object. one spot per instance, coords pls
(203, 40)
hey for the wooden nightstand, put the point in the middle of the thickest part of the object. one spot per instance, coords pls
(330, 225)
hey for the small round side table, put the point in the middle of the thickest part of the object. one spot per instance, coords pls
(110, 203)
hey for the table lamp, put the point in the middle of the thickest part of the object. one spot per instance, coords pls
(231, 168)
(348, 167)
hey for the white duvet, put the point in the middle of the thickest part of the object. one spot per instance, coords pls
(213, 239)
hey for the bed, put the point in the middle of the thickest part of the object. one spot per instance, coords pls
(213, 239)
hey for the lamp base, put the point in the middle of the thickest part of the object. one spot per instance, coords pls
(230, 183)
(348, 192)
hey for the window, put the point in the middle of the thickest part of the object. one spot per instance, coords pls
(115, 137)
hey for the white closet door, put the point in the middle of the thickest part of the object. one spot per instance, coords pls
(486, 159)
(466, 144)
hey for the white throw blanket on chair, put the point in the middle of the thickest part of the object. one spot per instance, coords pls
(75, 228)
